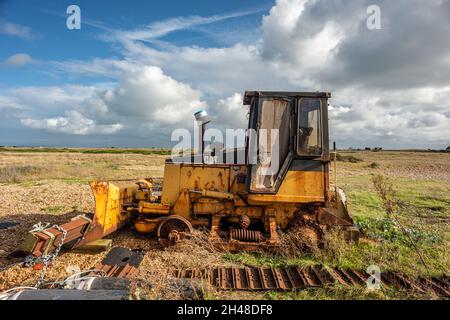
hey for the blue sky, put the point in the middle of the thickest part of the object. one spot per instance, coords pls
(137, 70)
(51, 40)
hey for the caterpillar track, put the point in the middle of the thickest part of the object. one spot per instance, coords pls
(294, 278)
(123, 263)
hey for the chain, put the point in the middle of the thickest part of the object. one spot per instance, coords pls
(46, 258)
(39, 227)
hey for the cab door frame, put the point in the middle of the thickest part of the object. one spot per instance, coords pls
(255, 105)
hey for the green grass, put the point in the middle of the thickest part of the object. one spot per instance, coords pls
(53, 209)
(260, 259)
(364, 204)
(128, 151)
(390, 255)
(45, 150)
(149, 151)
(429, 195)
(28, 184)
(340, 292)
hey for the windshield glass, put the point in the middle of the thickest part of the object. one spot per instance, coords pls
(309, 142)
(273, 143)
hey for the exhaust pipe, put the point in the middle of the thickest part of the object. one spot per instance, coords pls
(202, 119)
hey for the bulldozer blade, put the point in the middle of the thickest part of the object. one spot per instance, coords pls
(81, 230)
(108, 216)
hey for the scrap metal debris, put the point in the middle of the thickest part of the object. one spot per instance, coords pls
(121, 262)
(109, 280)
(8, 224)
(42, 262)
(43, 239)
(295, 278)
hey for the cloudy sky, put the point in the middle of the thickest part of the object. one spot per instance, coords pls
(136, 70)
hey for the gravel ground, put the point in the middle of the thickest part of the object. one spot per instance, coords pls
(29, 205)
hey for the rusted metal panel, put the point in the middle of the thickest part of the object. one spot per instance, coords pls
(116, 271)
(122, 263)
(208, 177)
(45, 241)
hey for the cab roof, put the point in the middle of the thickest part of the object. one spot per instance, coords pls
(283, 94)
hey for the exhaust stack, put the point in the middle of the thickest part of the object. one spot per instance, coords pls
(202, 119)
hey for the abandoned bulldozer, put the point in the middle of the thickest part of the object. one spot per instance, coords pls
(244, 197)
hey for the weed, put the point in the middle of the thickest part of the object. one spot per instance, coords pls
(53, 209)
(383, 187)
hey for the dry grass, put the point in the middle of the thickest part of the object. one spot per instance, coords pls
(395, 164)
(37, 168)
(194, 253)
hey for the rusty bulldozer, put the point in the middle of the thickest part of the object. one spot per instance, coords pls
(243, 204)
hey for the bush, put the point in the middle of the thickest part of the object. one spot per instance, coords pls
(385, 229)
(15, 174)
(374, 165)
(350, 159)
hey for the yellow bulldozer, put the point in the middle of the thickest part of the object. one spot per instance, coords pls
(243, 203)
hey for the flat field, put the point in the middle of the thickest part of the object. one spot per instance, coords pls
(51, 185)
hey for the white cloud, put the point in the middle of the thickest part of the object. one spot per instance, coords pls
(17, 30)
(150, 95)
(46, 100)
(231, 112)
(219, 72)
(391, 119)
(72, 123)
(161, 28)
(145, 98)
(18, 60)
(9, 107)
(390, 87)
(110, 68)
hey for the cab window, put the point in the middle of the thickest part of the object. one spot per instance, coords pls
(309, 135)
(274, 118)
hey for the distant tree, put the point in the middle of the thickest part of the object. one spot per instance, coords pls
(448, 149)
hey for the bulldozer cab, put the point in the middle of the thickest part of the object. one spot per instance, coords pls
(284, 128)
